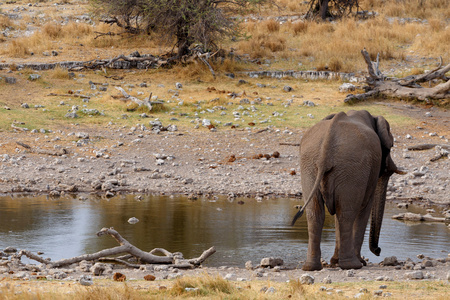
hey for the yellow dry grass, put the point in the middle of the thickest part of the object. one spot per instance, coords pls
(215, 287)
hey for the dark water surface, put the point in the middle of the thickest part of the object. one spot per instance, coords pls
(66, 227)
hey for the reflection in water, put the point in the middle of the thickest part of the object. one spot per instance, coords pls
(66, 227)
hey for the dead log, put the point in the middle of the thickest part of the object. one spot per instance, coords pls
(427, 146)
(407, 88)
(175, 260)
(70, 95)
(146, 102)
(418, 218)
(60, 152)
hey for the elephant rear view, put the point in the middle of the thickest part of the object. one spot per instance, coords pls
(345, 166)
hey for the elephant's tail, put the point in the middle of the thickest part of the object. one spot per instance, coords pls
(313, 192)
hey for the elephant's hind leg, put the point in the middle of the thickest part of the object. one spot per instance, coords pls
(335, 258)
(347, 257)
(315, 215)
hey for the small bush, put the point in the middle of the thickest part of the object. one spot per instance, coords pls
(5, 22)
(18, 48)
(52, 30)
(299, 27)
(272, 25)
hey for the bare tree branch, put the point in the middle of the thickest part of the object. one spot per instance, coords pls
(175, 260)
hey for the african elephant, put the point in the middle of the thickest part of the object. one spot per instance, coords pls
(345, 165)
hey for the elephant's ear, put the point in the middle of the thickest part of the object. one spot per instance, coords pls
(384, 132)
(329, 117)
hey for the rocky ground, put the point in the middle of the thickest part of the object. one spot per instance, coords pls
(113, 160)
(110, 160)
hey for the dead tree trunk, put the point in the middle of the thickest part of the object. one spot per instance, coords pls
(175, 260)
(407, 88)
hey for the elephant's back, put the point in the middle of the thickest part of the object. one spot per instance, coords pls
(338, 139)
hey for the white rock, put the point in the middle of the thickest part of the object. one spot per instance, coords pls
(86, 280)
(133, 220)
(347, 87)
(306, 279)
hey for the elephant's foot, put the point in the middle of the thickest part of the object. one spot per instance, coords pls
(362, 261)
(334, 261)
(312, 266)
(352, 263)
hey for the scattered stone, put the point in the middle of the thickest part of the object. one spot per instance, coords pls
(308, 103)
(416, 275)
(350, 273)
(347, 87)
(86, 280)
(307, 279)
(119, 277)
(378, 293)
(71, 115)
(10, 250)
(390, 261)
(149, 277)
(82, 135)
(383, 287)
(60, 275)
(249, 265)
(287, 88)
(271, 262)
(10, 80)
(133, 220)
(34, 77)
(178, 85)
(271, 290)
(327, 280)
(98, 269)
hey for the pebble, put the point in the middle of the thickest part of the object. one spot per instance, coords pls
(271, 262)
(133, 220)
(417, 275)
(307, 279)
(86, 280)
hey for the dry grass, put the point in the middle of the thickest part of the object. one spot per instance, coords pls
(213, 287)
(334, 46)
(58, 73)
(5, 22)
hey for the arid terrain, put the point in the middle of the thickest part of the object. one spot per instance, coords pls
(72, 132)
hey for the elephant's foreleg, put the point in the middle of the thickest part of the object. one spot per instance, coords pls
(315, 215)
(347, 257)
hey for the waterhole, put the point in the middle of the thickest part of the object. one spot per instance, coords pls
(66, 227)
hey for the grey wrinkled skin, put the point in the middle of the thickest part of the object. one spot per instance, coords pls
(345, 166)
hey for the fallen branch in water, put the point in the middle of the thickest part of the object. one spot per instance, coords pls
(418, 218)
(175, 260)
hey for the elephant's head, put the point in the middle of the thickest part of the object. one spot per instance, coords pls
(387, 168)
